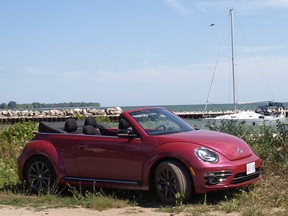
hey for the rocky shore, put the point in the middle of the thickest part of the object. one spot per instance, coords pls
(63, 113)
(14, 116)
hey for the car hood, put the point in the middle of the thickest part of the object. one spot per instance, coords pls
(229, 146)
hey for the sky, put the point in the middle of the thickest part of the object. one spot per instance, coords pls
(142, 52)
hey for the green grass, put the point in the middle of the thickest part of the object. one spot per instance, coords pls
(268, 196)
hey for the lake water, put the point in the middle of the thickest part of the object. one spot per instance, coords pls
(201, 107)
(200, 123)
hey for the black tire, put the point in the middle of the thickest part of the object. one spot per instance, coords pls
(172, 182)
(39, 174)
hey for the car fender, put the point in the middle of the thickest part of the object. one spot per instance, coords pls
(175, 150)
(41, 148)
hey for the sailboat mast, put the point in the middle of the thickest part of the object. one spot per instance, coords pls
(233, 61)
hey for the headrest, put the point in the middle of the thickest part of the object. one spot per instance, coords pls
(90, 121)
(89, 129)
(70, 125)
(123, 124)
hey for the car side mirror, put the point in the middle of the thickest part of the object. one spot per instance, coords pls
(126, 133)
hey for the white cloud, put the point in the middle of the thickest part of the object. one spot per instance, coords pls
(162, 85)
(259, 49)
(179, 7)
(204, 5)
(54, 74)
(275, 3)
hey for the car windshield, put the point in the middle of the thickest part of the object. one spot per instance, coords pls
(160, 121)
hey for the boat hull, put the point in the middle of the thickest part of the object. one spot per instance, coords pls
(250, 118)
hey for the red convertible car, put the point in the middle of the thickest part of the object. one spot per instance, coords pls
(152, 149)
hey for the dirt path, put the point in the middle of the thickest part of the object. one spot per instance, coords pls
(129, 211)
(14, 211)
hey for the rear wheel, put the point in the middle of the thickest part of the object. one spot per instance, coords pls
(40, 174)
(172, 182)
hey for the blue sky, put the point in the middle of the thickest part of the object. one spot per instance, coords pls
(144, 52)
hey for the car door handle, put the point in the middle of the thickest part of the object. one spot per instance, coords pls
(82, 146)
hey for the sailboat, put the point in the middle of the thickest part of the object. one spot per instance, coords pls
(270, 114)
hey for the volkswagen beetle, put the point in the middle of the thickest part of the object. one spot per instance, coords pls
(151, 149)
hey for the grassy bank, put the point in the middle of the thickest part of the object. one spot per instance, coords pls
(268, 196)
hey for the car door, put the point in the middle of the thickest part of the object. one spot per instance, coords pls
(109, 158)
(66, 145)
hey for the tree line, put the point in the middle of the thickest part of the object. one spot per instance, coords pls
(37, 105)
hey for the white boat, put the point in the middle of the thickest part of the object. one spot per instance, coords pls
(269, 114)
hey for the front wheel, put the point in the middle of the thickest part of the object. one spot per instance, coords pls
(40, 174)
(172, 182)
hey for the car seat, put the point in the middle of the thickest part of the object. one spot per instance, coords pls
(90, 126)
(123, 124)
(70, 125)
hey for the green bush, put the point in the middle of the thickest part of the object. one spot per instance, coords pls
(12, 140)
(270, 143)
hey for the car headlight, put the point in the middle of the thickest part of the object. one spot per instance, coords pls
(206, 155)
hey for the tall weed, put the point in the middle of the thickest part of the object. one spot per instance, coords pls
(12, 140)
(270, 143)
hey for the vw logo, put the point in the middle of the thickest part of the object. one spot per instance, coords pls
(240, 150)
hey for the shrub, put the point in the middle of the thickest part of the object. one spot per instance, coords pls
(12, 140)
(270, 143)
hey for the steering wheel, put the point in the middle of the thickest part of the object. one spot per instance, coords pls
(161, 126)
